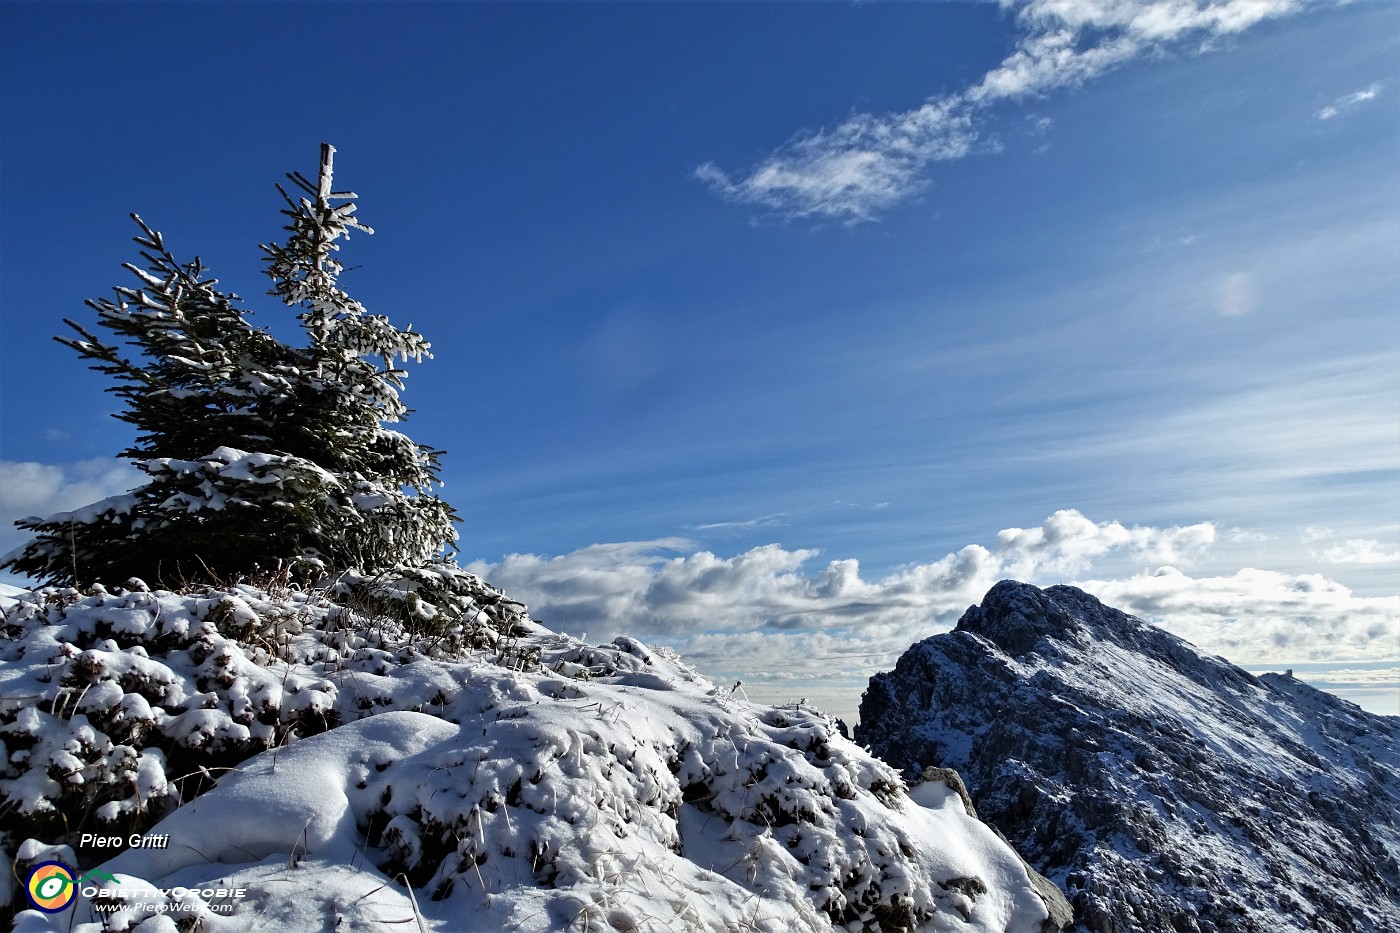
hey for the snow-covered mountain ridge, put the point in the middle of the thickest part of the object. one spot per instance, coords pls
(1163, 789)
(515, 778)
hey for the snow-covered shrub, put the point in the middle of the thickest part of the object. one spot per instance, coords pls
(435, 599)
(513, 778)
(258, 454)
(117, 706)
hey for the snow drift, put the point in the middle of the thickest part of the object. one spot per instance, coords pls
(348, 774)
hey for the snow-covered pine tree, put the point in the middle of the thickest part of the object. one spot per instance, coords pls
(352, 386)
(258, 453)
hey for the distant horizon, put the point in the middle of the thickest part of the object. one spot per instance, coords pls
(1372, 685)
(777, 333)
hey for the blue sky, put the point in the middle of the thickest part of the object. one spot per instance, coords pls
(726, 297)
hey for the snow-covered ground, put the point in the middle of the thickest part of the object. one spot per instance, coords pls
(517, 780)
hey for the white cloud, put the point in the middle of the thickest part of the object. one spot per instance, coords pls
(1260, 616)
(1354, 551)
(789, 628)
(642, 588)
(587, 588)
(1238, 295)
(763, 521)
(856, 170)
(771, 618)
(1068, 542)
(1361, 551)
(29, 488)
(1348, 102)
(870, 162)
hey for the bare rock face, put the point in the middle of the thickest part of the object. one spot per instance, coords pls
(1163, 789)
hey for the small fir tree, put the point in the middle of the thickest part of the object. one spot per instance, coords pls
(258, 453)
(352, 384)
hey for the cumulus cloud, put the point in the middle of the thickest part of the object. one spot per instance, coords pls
(647, 587)
(1361, 551)
(1355, 551)
(641, 588)
(29, 488)
(1261, 616)
(788, 625)
(1347, 103)
(866, 164)
(1067, 542)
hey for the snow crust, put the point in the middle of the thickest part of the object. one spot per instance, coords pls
(521, 780)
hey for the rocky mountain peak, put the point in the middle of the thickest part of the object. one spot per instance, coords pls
(1163, 788)
(1017, 617)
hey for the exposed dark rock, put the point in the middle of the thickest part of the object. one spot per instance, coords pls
(1162, 789)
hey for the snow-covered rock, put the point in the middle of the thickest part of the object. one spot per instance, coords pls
(485, 779)
(1166, 790)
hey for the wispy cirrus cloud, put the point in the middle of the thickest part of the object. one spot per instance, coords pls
(1348, 102)
(856, 170)
(762, 521)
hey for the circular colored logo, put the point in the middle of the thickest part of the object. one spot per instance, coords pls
(51, 887)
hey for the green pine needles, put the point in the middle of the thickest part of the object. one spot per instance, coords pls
(258, 454)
